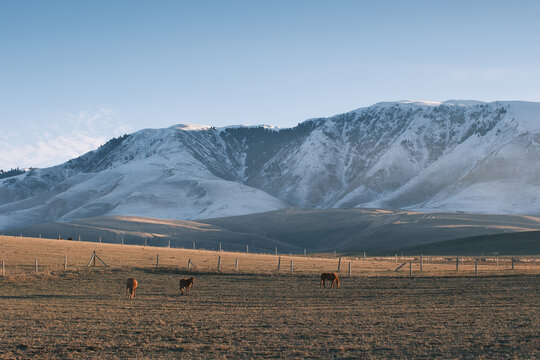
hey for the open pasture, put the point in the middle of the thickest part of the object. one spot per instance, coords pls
(20, 254)
(377, 313)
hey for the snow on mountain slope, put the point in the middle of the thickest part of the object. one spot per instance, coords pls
(448, 156)
(150, 172)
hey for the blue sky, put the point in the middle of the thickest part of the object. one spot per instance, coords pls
(76, 73)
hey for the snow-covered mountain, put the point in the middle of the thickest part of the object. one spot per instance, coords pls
(450, 156)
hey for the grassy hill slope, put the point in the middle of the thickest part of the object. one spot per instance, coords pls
(522, 243)
(292, 230)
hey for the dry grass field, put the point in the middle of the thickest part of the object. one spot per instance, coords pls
(252, 313)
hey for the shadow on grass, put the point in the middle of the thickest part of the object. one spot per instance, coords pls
(184, 272)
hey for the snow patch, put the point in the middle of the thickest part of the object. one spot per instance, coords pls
(192, 127)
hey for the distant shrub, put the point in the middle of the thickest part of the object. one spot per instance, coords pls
(10, 173)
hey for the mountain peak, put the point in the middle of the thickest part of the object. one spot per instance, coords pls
(463, 102)
(191, 127)
(464, 156)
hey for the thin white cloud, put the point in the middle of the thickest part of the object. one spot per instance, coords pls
(488, 73)
(64, 137)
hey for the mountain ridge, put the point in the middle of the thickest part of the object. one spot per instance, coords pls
(435, 156)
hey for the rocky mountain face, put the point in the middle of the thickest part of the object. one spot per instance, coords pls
(452, 156)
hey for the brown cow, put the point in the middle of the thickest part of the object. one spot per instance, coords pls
(330, 277)
(186, 284)
(131, 285)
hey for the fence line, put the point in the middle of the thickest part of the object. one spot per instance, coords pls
(474, 262)
(438, 264)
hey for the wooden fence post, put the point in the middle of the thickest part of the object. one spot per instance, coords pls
(291, 266)
(194, 245)
(457, 263)
(218, 262)
(157, 260)
(122, 240)
(35, 265)
(349, 268)
(400, 266)
(334, 253)
(40, 235)
(512, 263)
(79, 238)
(145, 242)
(275, 248)
(476, 267)
(339, 265)
(3, 269)
(219, 247)
(396, 258)
(247, 249)
(421, 263)
(189, 264)
(305, 253)
(410, 268)
(278, 264)
(100, 239)
(364, 256)
(497, 261)
(236, 264)
(169, 246)
(65, 262)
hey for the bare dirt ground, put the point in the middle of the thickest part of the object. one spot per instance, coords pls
(253, 313)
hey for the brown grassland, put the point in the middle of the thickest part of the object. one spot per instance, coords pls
(254, 313)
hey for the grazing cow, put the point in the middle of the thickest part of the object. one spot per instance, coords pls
(131, 285)
(330, 277)
(186, 284)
